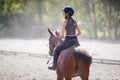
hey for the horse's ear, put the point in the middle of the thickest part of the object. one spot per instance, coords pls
(57, 33)
(50, 31)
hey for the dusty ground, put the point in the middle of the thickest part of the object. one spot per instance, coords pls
(35, 68)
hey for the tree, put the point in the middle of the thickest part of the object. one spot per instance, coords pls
(113, 16)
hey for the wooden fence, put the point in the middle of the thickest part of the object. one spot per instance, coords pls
(95, 60)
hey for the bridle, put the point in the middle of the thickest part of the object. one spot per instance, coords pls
(52, 43)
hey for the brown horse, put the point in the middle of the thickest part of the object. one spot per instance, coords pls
(74, 60)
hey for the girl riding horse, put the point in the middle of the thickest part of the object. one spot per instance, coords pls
(69, 26)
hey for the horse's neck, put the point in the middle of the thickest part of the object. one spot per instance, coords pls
(58, 42)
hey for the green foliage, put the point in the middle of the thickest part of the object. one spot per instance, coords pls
(97, 18)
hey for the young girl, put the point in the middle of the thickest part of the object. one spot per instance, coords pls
(69, 26)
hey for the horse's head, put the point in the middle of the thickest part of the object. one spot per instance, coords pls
(53, 40)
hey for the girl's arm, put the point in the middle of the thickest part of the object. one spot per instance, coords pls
(78, 30)
(63, 30)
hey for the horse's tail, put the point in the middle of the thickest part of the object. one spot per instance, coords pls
(83, 56)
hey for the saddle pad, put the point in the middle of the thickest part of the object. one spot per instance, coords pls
(59, 57)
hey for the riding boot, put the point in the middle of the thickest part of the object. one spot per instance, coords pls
(53, 67)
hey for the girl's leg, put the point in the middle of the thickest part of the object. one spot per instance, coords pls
(56, 53)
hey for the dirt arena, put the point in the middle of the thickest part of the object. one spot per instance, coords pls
(35, 68)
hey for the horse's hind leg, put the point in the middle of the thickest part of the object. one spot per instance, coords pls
(68, 78)
(83, 70)
(60, 77)
(69, 74)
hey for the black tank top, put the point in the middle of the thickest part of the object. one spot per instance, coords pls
(70, 27)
